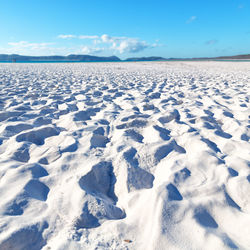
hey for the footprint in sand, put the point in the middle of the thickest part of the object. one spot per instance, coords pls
(100, 200)
(165, 150)
(37, 190)
(137, 177)
(38, 136)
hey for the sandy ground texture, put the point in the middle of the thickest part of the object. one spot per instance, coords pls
(125, 156)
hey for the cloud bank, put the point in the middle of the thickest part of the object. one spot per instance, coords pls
(112, 43)
(80, 44)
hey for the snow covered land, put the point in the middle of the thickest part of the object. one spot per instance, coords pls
(149, 155)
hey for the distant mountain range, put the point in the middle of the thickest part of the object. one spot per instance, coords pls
(69, 58)
(88, 58)
(237, 57)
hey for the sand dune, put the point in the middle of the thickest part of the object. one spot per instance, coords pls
(125, 155)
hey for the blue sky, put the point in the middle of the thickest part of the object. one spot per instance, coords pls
(126, 28)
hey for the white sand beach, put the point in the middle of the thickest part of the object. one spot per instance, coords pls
(146, 155)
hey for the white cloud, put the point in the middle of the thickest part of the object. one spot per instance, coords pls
(32, 46)
(191, 19)
(85, 50)
(88, 37)
(79, 37)
(34, 49)
(211, 42)
(125, 44)
(105, 38)
(110, 39)
(91, 50)
(66, 36)
(130, 45)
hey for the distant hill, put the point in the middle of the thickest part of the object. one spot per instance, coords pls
(151, 58)
(237, 57)
(69, 58)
